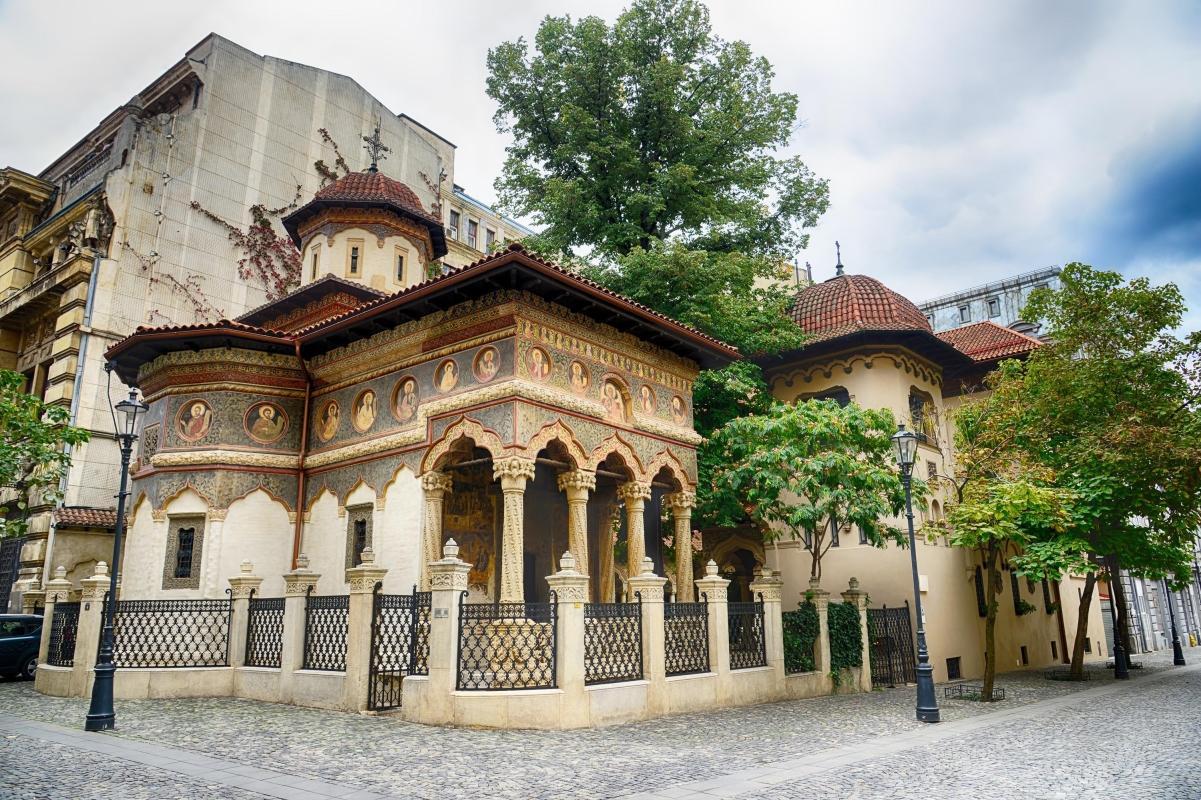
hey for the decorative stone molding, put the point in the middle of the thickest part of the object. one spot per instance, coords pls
(613, 443)
(243, 584)
(568, 584)
(464, 428)
(712, 585)
(58, 589)
(577, 480)
(647, 584)
(632, 491)
(449, 574)
(233, 458)
(366, 575)
(217, 514)
(681, 503)
(365, 447)
(298, 581)
(769, 585)
(846, 362)
(437, 482)
(668, 459)
(95, 587)
(553, 431)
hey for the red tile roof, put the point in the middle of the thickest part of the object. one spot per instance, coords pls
(373, 186)
(850, 303)
(83, 517)
(988, 341)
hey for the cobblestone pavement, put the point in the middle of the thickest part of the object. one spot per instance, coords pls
(389, 756)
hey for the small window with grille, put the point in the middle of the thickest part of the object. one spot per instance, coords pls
(358, 533)
(185, 539)
(954, 671)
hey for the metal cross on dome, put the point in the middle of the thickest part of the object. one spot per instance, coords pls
(376, 148)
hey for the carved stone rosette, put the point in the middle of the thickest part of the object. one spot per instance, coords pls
(513, 474)
(576, 485)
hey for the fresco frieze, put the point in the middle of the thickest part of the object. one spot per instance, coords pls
(194, 420)
(405, 399)
(266, 422)
(219, 488)
(329, 419)
(363, 411)
(486, 364)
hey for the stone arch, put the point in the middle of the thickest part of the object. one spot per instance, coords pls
(557, 430)
(183, 489)
(401, 467)
(738, 540)
(465, 428)
(312, 501)
(261, 488)
(615, 444)
(354, 487)
(666, 459)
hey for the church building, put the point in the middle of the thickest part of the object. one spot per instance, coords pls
(508, 404)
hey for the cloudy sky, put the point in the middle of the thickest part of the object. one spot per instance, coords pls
(963, 141)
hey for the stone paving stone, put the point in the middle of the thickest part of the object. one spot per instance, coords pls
(386, 755)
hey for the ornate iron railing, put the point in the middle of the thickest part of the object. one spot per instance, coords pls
(748, 645)
(64, 625)
(264, 631)
(171, 633)
(400, 645)
(686, 637)
(507, 645)
(325, 620)
(613, 642)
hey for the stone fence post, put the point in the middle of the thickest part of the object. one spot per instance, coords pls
(821, 601)
(362, 579)
(57, 591)
(297, 584)
(432, 704)
(654, 658)
(87, 635)
(768, 585)
(713, 588)
(571, 591)
(241, 586)
(858, 598)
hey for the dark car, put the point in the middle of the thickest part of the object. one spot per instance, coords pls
(20, 635)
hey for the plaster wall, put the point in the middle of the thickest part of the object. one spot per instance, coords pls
(256, 528)
(145, 549)
(377, 265)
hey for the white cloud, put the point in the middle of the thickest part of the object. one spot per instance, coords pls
(963, 141)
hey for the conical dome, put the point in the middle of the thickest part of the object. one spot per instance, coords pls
(850, 303)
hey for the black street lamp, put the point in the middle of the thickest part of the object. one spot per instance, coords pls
(1177, 650)
(101, 716)
(905, 444)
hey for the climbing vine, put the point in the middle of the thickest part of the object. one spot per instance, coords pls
(330, 175)
(800, 634)
(846, 637)
(267, 258)
(190, 289)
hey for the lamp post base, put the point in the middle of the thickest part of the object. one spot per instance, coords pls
(927, 703)
(1177, 654)
(101, 714)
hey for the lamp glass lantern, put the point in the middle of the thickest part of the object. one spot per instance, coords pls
(904, 444)
(131, 408)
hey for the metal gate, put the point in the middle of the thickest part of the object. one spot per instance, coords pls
(10, 562)
(892, 646)
(400, 645)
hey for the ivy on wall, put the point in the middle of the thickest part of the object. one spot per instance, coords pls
(846, 637)
(800, 634)
(190, 289)
(327, 174)
(267, 258)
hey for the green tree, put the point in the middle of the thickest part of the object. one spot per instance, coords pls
(648, 130)
(33, 455)
(804, 470)
(1111, 407)
(1005, 507)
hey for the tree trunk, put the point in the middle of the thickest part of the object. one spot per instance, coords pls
(990, 623)
(1086, 600)
(1117, 596)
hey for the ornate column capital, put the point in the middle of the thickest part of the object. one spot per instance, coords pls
(513, 472)
(577, 481)
(634, 492)
(439, 482)
(681, 503)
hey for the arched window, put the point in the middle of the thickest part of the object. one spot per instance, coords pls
(923, 416)
(838, 394)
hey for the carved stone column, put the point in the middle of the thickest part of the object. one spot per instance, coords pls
(513, 474)
(435, 485)
(577, 486)
(635, 494)
(681, 504)
(604, 545)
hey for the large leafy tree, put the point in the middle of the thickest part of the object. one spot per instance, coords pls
(34, 458)
(648, 130)
(1111, 407)
(807, 469)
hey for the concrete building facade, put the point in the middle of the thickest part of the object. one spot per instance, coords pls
(1000, 302)
(168, 213)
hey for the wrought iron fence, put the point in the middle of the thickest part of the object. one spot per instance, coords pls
(264, 631)
(892, 646)
(686, 637)
(613, 642)
(400, 645)
(64, 626)
(325, 620)
(507, 645)
(748, 645)
(171, 633)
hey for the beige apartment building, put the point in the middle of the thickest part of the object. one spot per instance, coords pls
(870, 345)
(167, 212)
